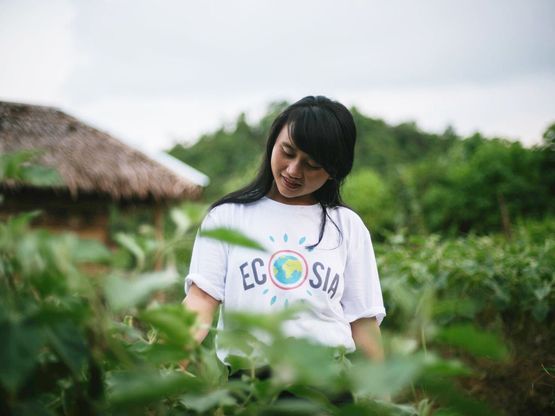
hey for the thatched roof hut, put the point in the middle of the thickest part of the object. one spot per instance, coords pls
(88, 159)
(96, 168)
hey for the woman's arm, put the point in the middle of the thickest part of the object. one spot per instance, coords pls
(367, 337)
(197, 300)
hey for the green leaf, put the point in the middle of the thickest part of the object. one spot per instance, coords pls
(181, 220)
(387, 378)
(160, 353)
(90, 251)
(41, 176)
(126, 293)
(301, 361)
(445, 368)
(375, 408)
(69, 344)
(11, 164)
(474, 341)
(456, 403)
(210, 368)
(20, 222)
(19, 349)
(540, 311)
(455, 307)
(139, 388)
(291, 406)
(130, 244)
(232, 237)
(31, 407)
(205, 401)
(173, 323)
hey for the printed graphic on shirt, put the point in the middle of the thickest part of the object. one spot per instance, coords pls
(288, 270)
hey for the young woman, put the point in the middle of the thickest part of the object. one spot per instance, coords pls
(319, 251)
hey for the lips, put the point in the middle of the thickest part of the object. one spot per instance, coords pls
(291, 184)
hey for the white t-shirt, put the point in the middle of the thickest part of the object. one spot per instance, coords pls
(338, 279)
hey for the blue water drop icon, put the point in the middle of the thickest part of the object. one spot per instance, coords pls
(273, 300)
(302, 240)
(265, 291)
(285, 237)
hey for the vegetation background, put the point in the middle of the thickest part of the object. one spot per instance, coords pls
(463, 230)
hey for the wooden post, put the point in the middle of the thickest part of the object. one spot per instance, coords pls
(505, 219)
(159, 232)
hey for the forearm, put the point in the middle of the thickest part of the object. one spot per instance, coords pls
(204, 305)
(367, 336)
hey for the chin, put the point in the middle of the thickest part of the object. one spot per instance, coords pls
(286, 193)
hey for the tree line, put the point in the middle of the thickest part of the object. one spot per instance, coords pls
(405, 178)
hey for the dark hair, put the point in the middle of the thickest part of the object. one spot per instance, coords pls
(323, 129)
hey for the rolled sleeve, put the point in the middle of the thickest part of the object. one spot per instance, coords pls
(208, 261)
(362, 297)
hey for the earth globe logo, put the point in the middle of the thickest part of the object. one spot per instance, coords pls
(287, 269)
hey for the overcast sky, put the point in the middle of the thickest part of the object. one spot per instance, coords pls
(154, 72)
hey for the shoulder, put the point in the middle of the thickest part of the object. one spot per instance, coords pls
(229, 213)
(351, 224)
(349, 217)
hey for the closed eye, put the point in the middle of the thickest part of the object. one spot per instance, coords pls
(287, 152)
(313, 166)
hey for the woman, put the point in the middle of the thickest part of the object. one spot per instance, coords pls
(319, 251)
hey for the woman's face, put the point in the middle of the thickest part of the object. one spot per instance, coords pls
(296, 175)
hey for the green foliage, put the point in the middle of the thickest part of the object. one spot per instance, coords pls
(232, 237)
(65, 331)
(125, 293)
(472, 276)
(478, 343)
(224, 151)
(141, 249)
(475, 185)
(17, 166)
(367, 193)
(108, 344)
(404, 178)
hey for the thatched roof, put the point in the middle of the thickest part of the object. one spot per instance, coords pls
(89, 160)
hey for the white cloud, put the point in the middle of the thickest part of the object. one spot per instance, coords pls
(174, 48)
(150, 72)
(36, 46)
(158, 123)
(520, 108)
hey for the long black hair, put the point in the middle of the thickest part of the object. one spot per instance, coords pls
(321, 128)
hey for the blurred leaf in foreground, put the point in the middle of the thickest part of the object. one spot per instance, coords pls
(139, 388)
(18, 352)
(370, 379)
(232, 237)
(474, 341)
(173, 323)
(125, 293)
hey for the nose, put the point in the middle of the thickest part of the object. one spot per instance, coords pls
(294, 169)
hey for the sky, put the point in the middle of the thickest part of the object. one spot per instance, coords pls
(153, 73)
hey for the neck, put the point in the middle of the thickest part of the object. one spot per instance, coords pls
(302, 200)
